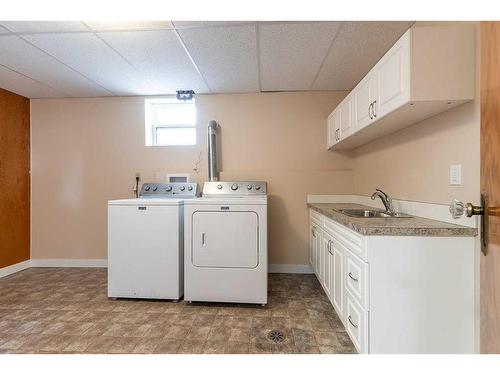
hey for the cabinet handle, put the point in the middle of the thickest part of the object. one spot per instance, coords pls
(330, 246)
(350, 321)
(373, 109)
(203, 243)
(352, 277)
(370, 107)
(313, 232)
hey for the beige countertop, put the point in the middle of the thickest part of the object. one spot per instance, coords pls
(414, 226)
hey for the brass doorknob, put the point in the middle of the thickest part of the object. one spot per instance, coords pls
(459, 209)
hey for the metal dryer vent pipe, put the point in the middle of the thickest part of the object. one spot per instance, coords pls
(213, 171)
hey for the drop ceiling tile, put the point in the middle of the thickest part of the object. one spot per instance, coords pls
(89, 55)
(21, 85)
(44, 26)
(291, 53)
(197, 24)
(30, 61)
(356, 49)
(226, 57)
(160, 56)
(128, 25)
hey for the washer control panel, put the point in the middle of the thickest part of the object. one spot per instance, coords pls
(170, 190)
(234, 188)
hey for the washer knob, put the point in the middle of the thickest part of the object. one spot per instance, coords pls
(219, 186)
(155, 188)
(183, 188)
(190, 188)
(249, 187)
(147, 188)
(234, 187)
(257, 187)
(169, 188)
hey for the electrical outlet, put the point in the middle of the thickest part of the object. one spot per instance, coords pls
(138, 175)
(456, 174)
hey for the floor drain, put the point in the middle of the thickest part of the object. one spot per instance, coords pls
(276, 336)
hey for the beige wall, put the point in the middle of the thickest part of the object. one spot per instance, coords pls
(414, 163)
(86, 151)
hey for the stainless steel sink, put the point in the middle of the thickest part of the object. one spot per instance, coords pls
(356, 212)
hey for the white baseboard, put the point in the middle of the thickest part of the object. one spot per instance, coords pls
(102, 263)
(290, 268)
(91, 263)
(9, 270)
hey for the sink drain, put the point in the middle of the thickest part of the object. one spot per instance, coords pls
(276, 336)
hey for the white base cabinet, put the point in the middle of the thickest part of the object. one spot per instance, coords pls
(397, 294)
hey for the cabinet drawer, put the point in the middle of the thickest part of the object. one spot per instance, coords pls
(357, 324)
(316, 218)
(351, 240)
(356, 279)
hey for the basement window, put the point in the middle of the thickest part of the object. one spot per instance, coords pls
(170, 122)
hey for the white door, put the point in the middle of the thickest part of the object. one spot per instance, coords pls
(313, 239)
(225, 239)
(144, 248)
(327, 240)
(394, 78)
(337, 280)
(334, 135)
(346, 117)
(317, 252)
(363, 98)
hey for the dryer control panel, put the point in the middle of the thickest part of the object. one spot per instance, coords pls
(170, 190)
(234, 188)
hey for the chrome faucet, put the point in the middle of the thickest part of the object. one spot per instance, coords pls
(386, 200)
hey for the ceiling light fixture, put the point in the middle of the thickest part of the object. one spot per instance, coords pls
(185, 95)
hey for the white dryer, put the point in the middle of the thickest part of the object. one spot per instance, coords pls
(225, 239)
(146, 242)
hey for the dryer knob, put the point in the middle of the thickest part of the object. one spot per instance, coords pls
(249, 187)
(183, 188)
(190, 188)
(219, 186)
(257, 187)
(155, 188)
(147, 188)
(234, 187)
(169, 188)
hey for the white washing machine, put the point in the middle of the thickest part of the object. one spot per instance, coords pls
(146, 242)
(225, 239)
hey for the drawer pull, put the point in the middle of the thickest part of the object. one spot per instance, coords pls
(350, 321)
(352, 277)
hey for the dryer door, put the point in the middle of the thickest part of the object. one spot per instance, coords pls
(225, 239)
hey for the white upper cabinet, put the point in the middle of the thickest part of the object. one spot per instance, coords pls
(365, 96)
(333, 128)
(429, 70)
(393, 81)
(346, 117)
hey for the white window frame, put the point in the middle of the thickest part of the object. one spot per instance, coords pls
(151, 128)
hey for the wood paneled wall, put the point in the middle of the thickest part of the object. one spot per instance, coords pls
(14, 178)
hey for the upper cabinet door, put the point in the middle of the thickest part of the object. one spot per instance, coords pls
(393, 83)
(364, 96)
(346, 114)
(334, 135)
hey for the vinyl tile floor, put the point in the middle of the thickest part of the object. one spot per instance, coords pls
(66, 310)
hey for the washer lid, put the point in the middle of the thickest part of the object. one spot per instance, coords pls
(146, 202)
